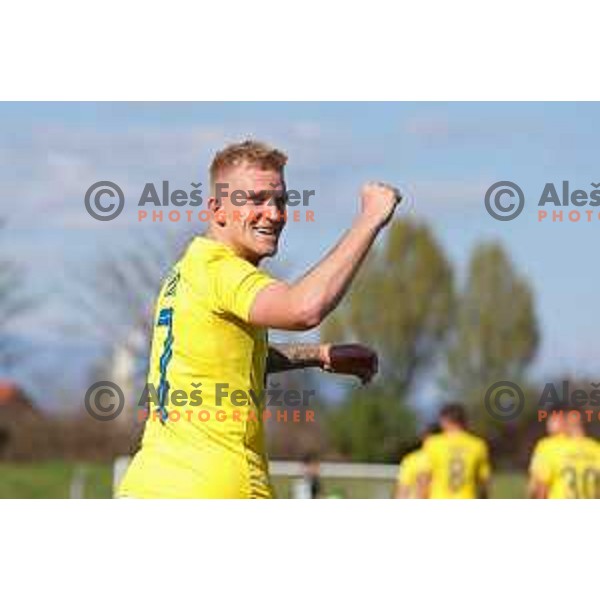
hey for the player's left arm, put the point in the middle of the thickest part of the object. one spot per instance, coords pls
(285, 357)
(348, 359)
(537, 489)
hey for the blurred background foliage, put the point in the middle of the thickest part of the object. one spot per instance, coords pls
(435, 334)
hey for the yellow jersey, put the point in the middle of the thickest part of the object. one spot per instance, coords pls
(412, 467)
(203, 436)
(457, 463)
(568, 466)
(542, 450)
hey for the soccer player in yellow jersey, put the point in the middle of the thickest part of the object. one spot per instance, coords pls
(458, 464)
(569, 468)
(210, 354)
(555, 432)
(411, 482)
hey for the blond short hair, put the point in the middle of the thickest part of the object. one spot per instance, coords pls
(249, 151)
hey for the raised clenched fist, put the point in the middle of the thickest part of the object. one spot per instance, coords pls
(378, 201)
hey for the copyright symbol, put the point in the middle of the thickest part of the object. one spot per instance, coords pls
(100, 407)
(499, 200)
(102, 208)
(504, 400)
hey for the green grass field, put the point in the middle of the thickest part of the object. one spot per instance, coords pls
(504, 485)
(53, 480)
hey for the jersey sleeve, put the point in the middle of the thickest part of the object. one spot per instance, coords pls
(422, 466)
(406, 471)
(236, 285)
(428, 456)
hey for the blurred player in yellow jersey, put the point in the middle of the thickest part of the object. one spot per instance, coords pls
(457, 461)
(555, 432)
(568, 467)
(210, 351)
(411, 482)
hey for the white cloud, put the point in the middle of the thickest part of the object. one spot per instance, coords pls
(47, 171)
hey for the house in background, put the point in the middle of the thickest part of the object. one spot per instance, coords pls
(15, 406)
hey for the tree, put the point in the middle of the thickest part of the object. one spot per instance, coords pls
(14, 303)
(371, 425)
(110, 304)
(495, 332)
(113, 302)
(401, 305)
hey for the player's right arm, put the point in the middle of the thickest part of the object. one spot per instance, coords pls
(401, 491)
(304, 304)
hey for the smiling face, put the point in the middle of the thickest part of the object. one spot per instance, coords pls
(249, 216)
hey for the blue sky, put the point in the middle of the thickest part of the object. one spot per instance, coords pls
(445, 154)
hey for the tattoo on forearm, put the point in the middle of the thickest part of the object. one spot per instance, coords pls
(285, 357)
